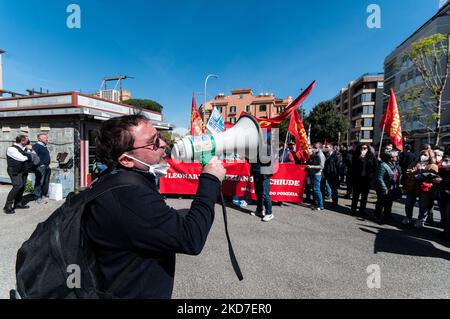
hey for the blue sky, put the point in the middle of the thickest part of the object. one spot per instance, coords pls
(170, 46)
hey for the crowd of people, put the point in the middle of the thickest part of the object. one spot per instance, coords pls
(393, 175)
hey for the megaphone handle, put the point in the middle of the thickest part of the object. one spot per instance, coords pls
(234, 262)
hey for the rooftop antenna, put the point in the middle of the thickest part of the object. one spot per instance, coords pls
(118, 80)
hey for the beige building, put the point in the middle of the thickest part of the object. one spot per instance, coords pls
(359, 101)
(243, 100)
(115, 95)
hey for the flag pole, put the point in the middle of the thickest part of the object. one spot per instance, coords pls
(381, 141)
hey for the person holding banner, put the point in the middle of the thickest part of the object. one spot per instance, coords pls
(133, 233)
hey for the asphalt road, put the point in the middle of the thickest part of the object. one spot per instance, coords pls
(299, 254)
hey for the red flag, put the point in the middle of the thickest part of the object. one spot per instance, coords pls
(197, 125)
(275, 121)
(297, 130)
(391, 122)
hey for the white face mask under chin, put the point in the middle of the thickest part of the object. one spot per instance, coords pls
(157, 170)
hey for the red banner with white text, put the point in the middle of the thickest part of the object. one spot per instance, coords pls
(286, 185)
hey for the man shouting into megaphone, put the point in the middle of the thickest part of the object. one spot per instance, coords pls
(133, 233)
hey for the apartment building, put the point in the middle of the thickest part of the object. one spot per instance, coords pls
(401, 74)
(264, 105)
(359, 101)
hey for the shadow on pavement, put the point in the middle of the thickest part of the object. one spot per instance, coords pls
(28, 198)
(405, 242)
(238, 208)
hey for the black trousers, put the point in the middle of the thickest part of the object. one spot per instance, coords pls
(333, 181)
(349, 183)
(15, 195)
(384, 204)
(360, 188)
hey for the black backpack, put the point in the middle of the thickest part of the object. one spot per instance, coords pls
(45, 261)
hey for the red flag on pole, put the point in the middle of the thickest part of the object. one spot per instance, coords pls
(391, 122)
(275, 121)
(297, 130)
(197, 126)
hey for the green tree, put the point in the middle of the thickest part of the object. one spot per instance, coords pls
(326, 123)
(431, 57)
(145, 104)
(167, 136)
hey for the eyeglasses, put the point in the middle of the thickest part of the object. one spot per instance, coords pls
(156, 144)
(363, 148)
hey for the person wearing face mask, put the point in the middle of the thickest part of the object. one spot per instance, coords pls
(133, 233)
(443, 195)
(387, 185)
(363, 170)
(418, 185)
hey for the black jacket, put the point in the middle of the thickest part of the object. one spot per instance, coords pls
(135, 225)
(405, 160)
(358, 165)
(333, 165)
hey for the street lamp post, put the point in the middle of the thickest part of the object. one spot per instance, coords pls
(204, 104)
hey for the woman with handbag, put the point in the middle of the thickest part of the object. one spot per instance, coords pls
(419, 184)
(387, 185)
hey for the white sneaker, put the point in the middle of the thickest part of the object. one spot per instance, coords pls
(419, 223)
(267, 218)
(406, 221)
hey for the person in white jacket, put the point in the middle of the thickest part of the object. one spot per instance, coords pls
(18, 156)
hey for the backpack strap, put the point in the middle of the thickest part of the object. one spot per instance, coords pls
(107, 183)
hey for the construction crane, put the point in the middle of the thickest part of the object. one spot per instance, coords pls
(118, 80)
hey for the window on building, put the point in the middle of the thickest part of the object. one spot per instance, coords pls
(241, 96)
(370, 86)
(367, 135)
(232, 109)
(247, 109)
(411, 76)
(368, 122)
(219, 108)
(358, 111)
(419, 77)
(368, 109)
(368, 97)
(263, 108)
(232, 120)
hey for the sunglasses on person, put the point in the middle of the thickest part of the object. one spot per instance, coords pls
(364, 148)
(154, 145)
